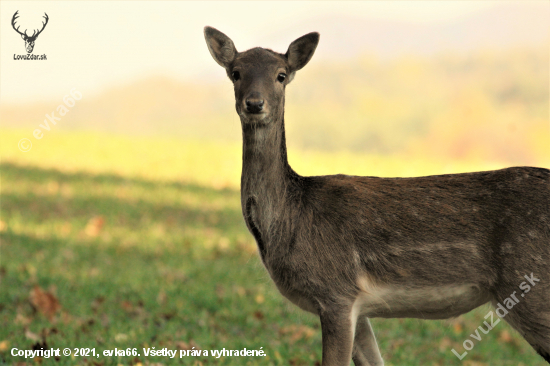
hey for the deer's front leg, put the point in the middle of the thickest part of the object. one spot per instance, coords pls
(365, 349)
(337, 329)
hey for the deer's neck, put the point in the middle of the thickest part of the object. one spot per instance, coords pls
(265, 166)
(266, 177)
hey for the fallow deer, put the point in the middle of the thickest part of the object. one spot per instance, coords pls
(349, 248)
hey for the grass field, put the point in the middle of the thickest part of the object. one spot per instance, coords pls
(115, 242)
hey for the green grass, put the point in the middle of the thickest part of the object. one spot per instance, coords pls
(172, 266)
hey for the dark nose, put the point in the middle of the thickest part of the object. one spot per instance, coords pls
(254, 105)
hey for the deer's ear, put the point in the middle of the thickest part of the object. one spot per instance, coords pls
(23, 36)
(301, 50)
(221, 47)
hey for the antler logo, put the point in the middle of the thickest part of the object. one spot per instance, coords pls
(29, 41)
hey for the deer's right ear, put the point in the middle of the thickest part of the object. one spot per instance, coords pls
(221, 47)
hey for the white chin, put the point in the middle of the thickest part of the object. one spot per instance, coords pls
(256, 117)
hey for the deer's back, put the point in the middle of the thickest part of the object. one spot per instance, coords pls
(465, 228)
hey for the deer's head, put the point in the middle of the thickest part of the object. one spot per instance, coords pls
(260, 75)
(29, 40)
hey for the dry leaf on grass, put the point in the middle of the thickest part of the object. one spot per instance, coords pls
(94, 226)
(4, 345)
(445, 344)
(32, 336)
(505, 337)
(181, 345)
(133, 309)
(21, 319)
(457, 327)
(396, 344)
(127, 306)
(45, 302)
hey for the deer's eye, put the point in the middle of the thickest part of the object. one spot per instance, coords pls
(281, 77)
(235, 75)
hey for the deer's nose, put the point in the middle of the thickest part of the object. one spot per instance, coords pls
(254, 105)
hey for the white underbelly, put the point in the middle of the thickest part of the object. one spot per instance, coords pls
(428, 302)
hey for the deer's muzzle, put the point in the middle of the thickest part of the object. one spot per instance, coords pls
(254, 103)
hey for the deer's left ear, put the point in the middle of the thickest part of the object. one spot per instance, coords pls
(301, 50)
(221, 47)
(23, 36)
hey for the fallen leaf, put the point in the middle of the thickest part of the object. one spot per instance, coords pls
(457, 327)
(94, 226)
(4, 345)
(258, 315)
(187, 346)
(127, 306)
(32, 336)
(182, 345)
(133, 309)
(23, 320)
(260, 298)
(396, 344)
(445, 344)
(45, 302)
(121, 337)
(505, 336)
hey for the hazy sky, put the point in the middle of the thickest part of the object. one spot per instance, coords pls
(92, 45)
